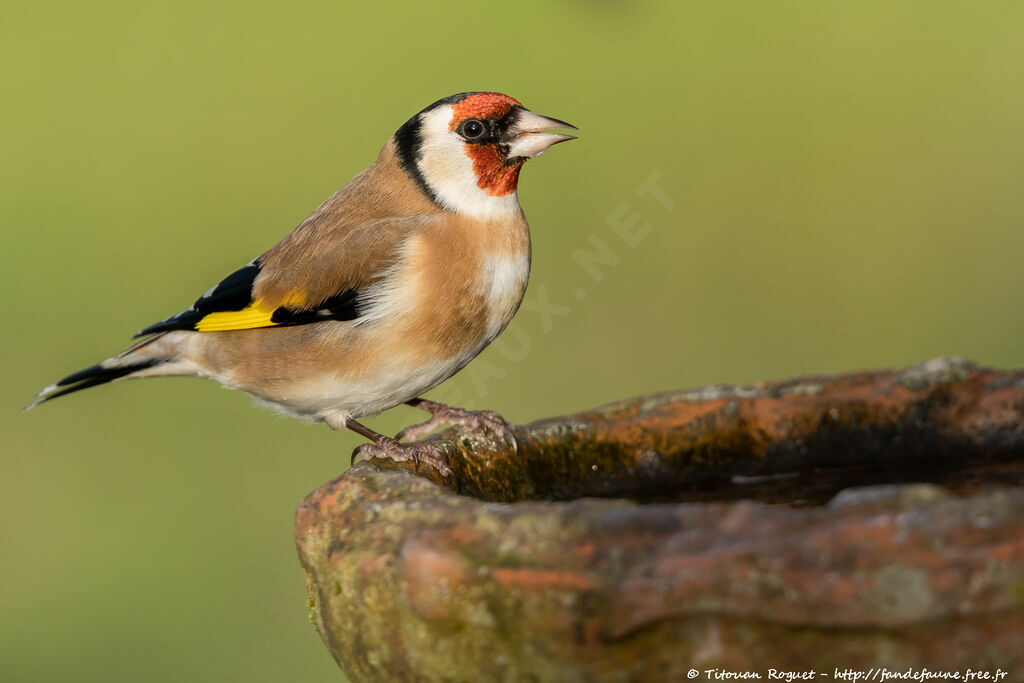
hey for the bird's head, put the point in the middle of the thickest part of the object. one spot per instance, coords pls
(466, 150)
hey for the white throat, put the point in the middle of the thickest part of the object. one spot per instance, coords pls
(448, 171)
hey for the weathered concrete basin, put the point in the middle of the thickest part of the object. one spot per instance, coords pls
(854, 521)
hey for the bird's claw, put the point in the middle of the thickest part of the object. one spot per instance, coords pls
(441, 414)
(419, 453)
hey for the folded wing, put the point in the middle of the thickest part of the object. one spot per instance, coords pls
(298, 282)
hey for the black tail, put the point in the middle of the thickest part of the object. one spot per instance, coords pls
(90, 377)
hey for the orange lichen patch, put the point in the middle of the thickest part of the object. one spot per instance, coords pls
(430, 575)
(492, 173)
(584, 549)
(369, 563)
(482, 105)
(465, 533)
(426, 565)
(840, 589)
(537, 579)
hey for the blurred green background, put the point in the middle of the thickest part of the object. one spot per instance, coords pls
(845, 190)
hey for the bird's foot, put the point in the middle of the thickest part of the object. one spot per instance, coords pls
(386, 447)
(441, 414)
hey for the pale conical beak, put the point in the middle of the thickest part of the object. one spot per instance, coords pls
(529, 136)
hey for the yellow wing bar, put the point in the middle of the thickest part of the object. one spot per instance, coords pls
(252, 316)
(256, 314)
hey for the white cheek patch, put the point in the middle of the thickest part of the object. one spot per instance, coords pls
(448, 171)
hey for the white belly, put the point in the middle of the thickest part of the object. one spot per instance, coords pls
(370, 394)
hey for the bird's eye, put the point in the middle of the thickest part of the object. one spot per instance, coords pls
(472, 129)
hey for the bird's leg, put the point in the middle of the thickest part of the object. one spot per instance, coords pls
(386, 447)
(441, 414)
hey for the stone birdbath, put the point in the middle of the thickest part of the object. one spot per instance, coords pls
(824, 524)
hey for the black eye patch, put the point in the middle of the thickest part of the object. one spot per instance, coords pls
(493, 130)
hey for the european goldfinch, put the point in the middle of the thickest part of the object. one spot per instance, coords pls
(387, 289)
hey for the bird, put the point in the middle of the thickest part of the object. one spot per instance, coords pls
(387, 289)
